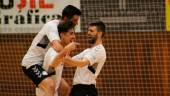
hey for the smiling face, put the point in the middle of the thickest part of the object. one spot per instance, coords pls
(68, 36)
(92, 34)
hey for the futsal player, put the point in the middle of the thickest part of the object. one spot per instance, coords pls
(33, 59)
(89, 62)
(67, 36)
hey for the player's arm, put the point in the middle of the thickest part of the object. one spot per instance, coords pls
(58, 59)
(68, 61)
(53, 36)
(82, 59)
(56, 45)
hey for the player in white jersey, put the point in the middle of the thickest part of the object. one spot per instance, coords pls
(67, 35)
(33, 60)
(89, 62)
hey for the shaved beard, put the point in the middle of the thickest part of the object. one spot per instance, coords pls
(92, 40)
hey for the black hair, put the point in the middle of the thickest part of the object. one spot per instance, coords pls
(65, 26)
(69, 11)
(100, 26)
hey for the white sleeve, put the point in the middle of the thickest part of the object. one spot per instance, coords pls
(78, 56)
(93, 56)
(52, 31)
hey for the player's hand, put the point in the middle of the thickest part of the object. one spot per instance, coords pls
(71, 46)
(51, 71)
(56, 45)
(67, 56)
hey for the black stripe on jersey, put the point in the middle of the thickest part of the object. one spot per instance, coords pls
(44, 42)
(92, 69)
(42, 45)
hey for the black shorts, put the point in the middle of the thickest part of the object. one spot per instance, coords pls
(84, 90)
(36, 73)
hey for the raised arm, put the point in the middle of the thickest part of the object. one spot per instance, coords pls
(56, 45)
(58, 59)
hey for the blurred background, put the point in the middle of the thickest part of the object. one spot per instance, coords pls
(137, 42)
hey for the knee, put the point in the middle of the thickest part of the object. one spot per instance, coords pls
(48, 85)
(66, 90)
(51, 85)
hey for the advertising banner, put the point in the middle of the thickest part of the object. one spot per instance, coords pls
(28, 16)
(167, 15)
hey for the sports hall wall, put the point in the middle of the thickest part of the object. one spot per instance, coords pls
(136, 41)
(137, 64)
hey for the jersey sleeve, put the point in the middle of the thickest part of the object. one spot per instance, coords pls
(52, 31)
(93, 56)
(78, 56)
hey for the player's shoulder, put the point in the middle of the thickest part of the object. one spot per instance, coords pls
(51, 25)
(99, 52)
(99, 47)
(52, 22)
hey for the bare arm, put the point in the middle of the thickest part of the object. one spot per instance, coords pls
(56, 45)
(70, 47)
(68, 61)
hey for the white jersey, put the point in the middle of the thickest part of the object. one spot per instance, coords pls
(49, 57)
(35, 54)
(97, 57)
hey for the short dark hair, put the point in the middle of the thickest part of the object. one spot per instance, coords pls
(63, 27)
(69, 11)
(100, 26)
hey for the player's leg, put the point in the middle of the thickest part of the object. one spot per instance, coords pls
(50, 54)
(41, 79)
(39, 92)
(64, 88)
(48, 86)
